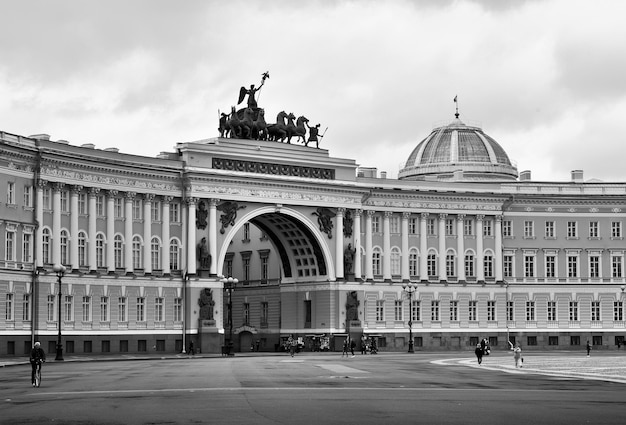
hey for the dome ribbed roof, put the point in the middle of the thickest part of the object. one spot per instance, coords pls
(458, 151)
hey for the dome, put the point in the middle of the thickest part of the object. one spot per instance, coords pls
(458, 152)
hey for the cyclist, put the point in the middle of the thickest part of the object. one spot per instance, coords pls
(37, 357)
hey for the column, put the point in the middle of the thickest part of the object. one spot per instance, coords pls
(56, 222)
(339, 272)
(460, 247)
(499, 249)
(423, 248)
(191, 235)
(405, 246)
(147, 233)
(41, 184)
(369, 270)
(76, 190)
(356, 229)
(212, 234)
(165, 235)
(93, 215)
(480, 255)
(443, 275)
(128, 232)
(387, 246)
(111, 194)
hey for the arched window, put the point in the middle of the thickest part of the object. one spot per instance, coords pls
(174, 255)
(431, 263)
(137, 260)
(469, 265)
(488, 263)
(450, 264)
(395, 261)
(82, 249)
(45, 245)
(376, 261)
(63, 246)
(118, 251)
(155, 253)
(100, 259)
(413, 263)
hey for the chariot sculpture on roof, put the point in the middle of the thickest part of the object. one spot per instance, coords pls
(249, 122)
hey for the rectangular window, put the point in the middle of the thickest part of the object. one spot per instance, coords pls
(529, 266)
(572, 266)
(9, 307)
(616, 265)
(246, 270)
(118, 207)
(507, 229)
(51, 308)
(550, 266)
(434, 311)
(376, 263)
(47, 199)
(265, 311)
(104, 309)
(594, 229)
(68, 308)
(246, 232)
(394, 224)
(307, 314)
(159, 309)
(616, 229)
(529, 229)
(27, 247)
(487, 228)
(553, 340)
(618, 311)
(398, 313)
(178, 309)
(454, 311)
(28, 196)
(507, 265)
(11, 193)
(572, 229)
(551, 311)
(82, 203)
(174, 212)
(100, 205)
(488, 266)
(549, 230)
(413, 226)
(449, 227)
(469, 265)
(26, 307)
(141, 310)
(510, 311)
(416, 312)
(491, 311)
(468, 227)
(65, 207)
(431, 227)
(155, 211)
(573, 311)
(86, 309)
(380, 310)
(595, 311)
(375, 224)
(594, 266)
(9, 252)
(431, 264)
(472, 310)
(530, 311)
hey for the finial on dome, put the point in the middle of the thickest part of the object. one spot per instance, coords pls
(457, 107)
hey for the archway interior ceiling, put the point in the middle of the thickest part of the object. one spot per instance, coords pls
(300, 253)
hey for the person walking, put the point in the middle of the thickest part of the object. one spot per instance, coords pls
(588, 348)
(479, 353)
(37, 356)
(291, 345)
(352, 346)
(345, 348)
(517, 354)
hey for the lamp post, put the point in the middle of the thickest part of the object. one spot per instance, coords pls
(59, 269)
(229, 285)
(410, 288)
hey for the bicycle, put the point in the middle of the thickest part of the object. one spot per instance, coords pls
(38, 374)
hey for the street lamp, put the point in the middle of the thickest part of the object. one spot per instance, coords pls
(59, 269)
(410, 288)
(229, 285)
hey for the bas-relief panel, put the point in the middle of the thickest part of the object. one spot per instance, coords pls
(107, 180)
(273, 195)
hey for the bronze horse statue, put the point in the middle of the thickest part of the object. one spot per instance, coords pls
(259, 126)
(240, 123)
(298, 129)
(278, 132)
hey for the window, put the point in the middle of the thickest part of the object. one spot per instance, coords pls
(178, 309)
(175, 255)
(594, 229)
(82, 249)
(118, 253)
(64, 247)
(45, 245)
(507, 265)
(487, 228)
(431, 227)
(376, 261)
(27, 247)
(491, 311)
(472, 307)
(549, 230)
(616, 229)
(141, 309)
(594, 266)
(9, 253)
(618, 311)
(616, 265)
(86, 309)
(572, 266)
(47, 198)
(595, 311)
(228, 265)
(510, 311)
(529, 229)
(434, 311)
(394, 224)
(137, 210)
(26, 307)
(100, 250)
(100, 205)
(416, 312)
(9, 307)
(531, 340)
(265, 309)
(573, 311)
(11, 193)
(307, 314)
(28, 196)
(488, 265)
(246, 313)
(395, 261)
(572, 229)
(118, 208)
(104, 309)
(574, 340)
(174, 213)
(553, 340)
(469, 265)
(375, 224)
(51, 308)
(413, 226)
(264, 268)
(552, 311)
(68, 309)
(529, 266)
(431, 264)
(449, 227)
(507, 229)
(413, 263)
(246, 232)
(159, 315)
(468, 227)
(454, 311)
(450, 264)
(380, 310)
(155, 211)
(398, 313)
(155, 254)
(122, 310)
(550, 266)
(137, 257)
(530, 311)
(246, 269)
(64, 201)
(82, 203)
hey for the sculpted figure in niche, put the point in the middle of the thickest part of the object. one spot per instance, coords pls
(348, 258)
(201, 216)
(203, 255)
(352, 306)
(206, 304)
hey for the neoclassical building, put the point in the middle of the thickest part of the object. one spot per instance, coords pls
(321, 248)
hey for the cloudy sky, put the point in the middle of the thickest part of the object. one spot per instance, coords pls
(546, 79)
